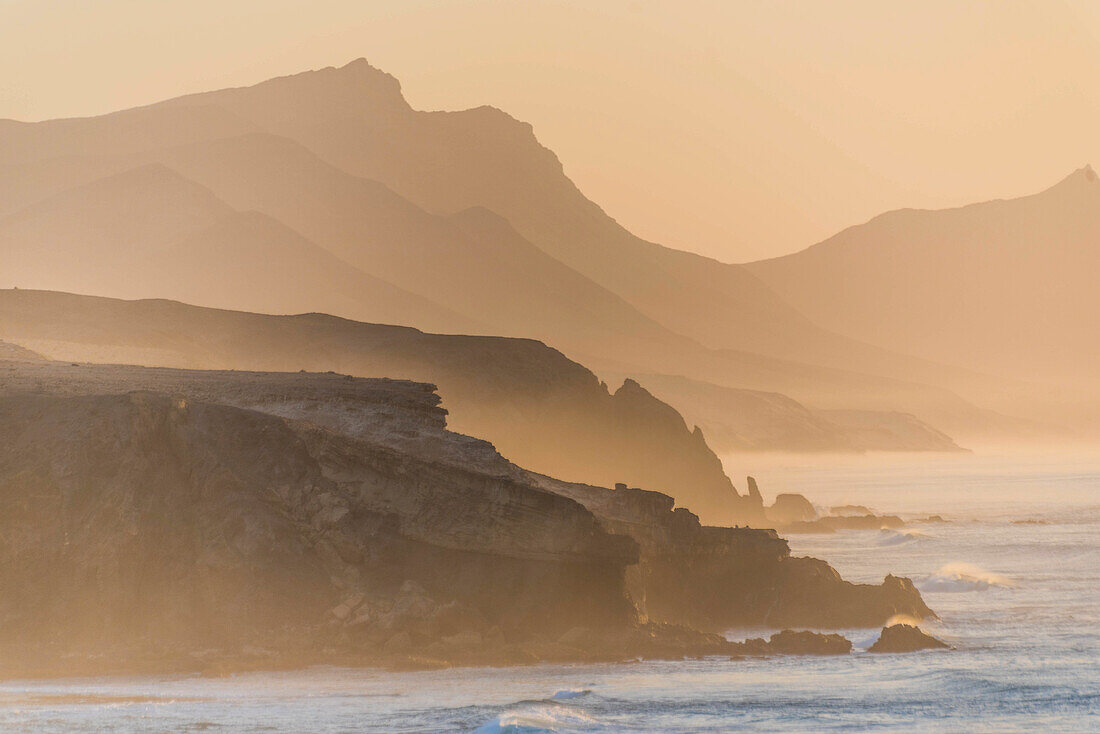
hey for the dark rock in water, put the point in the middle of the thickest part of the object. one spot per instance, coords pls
(833, 523)
(754, 647)
(789, 642)
(791, 508)
(905, 638)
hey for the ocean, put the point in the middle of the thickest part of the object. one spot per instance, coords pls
(1014, 574)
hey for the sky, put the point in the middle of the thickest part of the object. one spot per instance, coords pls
(740, 130)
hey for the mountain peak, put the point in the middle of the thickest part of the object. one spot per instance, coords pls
(356, 80)
(1084, 174)
(364, 72)
(1082, 182)
(361, 65)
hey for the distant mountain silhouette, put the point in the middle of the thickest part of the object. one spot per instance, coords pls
(451, 222)
(149, 232)
(1008, 286)
(356, 118)
(736, 419)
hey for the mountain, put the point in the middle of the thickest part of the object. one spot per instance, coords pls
(540, 409)
(466, 211)
(1007, 286)
(149, 232)
(739, 420)
(356, 118)
(473, 262)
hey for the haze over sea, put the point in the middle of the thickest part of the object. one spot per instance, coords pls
(1014, 574)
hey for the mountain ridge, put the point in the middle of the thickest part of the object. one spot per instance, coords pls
(1003, 286)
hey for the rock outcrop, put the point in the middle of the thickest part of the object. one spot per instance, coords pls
(791, 508)
(790, 642)
(905, 638)
(716, 578)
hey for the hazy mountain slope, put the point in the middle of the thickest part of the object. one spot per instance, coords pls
(889, 431)
(474, 262)
(746, 420)
(386, 233)
(542, 410)
(149, 232)
(356, 118)
(1005, 286)
(119, 133)
(735, 419)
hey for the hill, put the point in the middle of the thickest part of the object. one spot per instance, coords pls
(1006, 286)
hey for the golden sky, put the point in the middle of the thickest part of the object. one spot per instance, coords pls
(733, 128)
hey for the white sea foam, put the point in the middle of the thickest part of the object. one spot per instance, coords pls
(961, 577)
(538, 718)
(570, 693)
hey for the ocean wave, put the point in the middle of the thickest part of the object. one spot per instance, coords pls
(538, 718)
(962, 577)
(570, 693)
(899, 537)
(904, 619)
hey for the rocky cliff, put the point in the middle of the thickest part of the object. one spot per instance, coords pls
(144, 525)
(717, 578)
(321, 517)
(541, 409)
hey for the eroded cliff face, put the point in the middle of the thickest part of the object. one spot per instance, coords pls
(717, 578)
(318, 517)
(143, 524)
